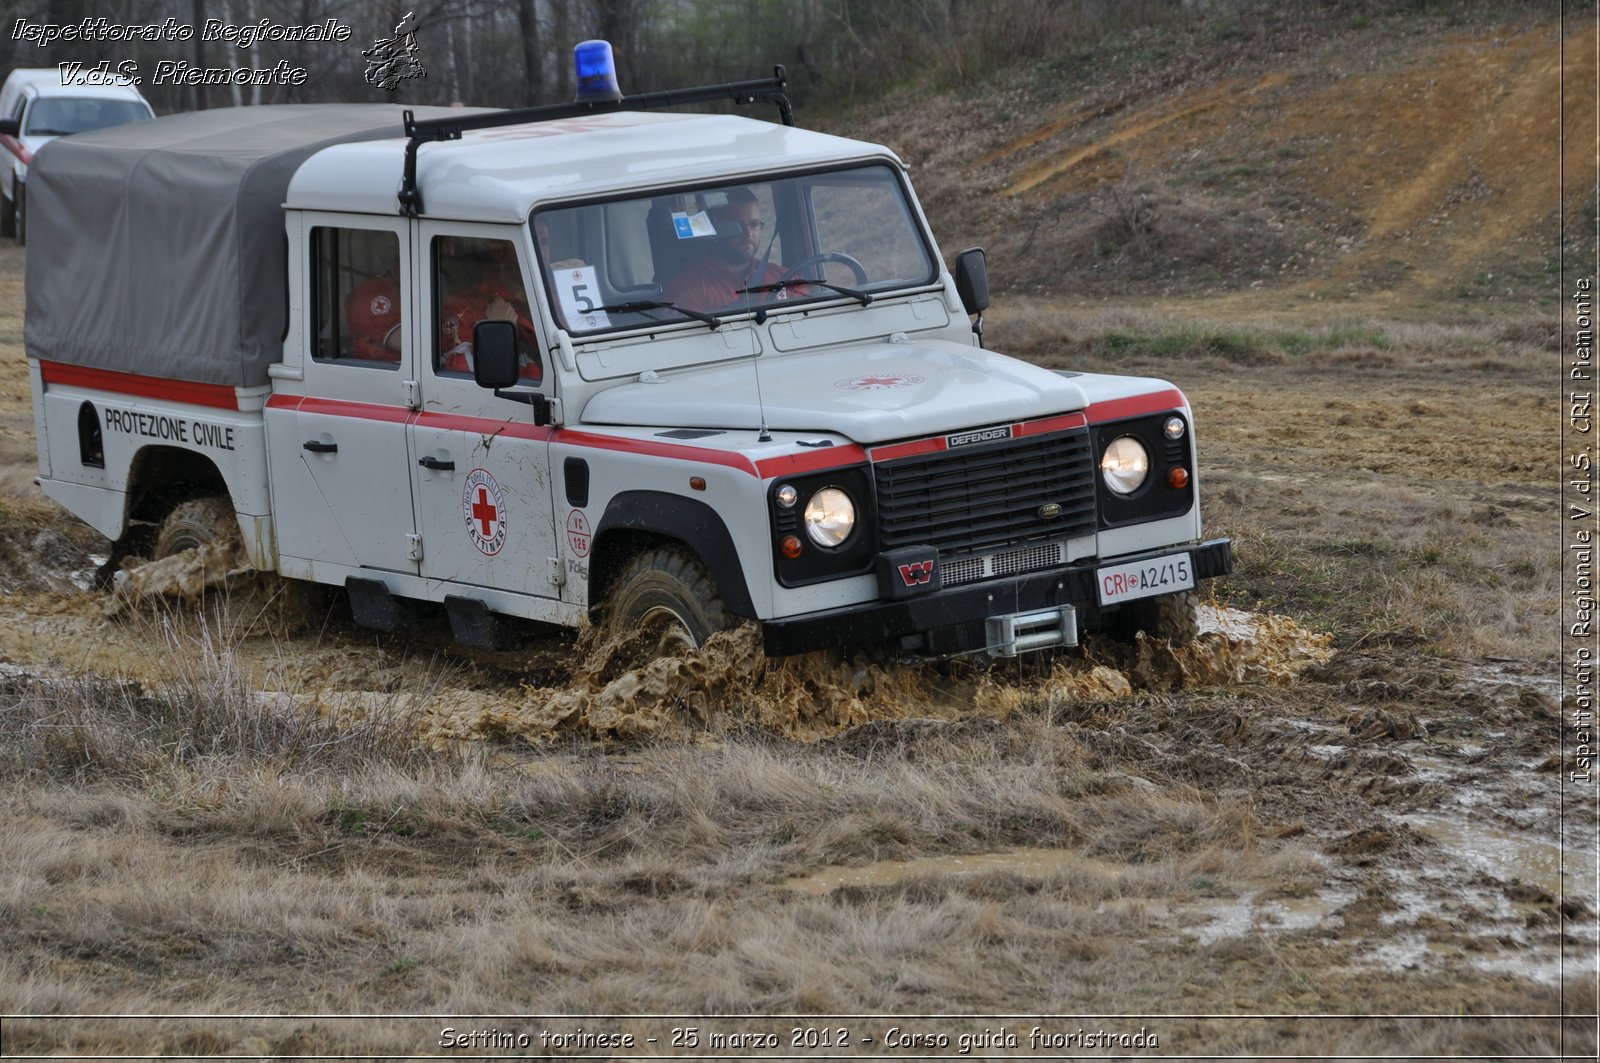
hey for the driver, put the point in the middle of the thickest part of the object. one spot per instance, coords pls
(728, 261)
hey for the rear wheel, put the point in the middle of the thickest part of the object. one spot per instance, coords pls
(199, 522)
(667, 598)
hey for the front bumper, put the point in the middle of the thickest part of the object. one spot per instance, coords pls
(953, 621)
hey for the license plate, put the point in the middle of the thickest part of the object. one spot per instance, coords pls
(1145, 579)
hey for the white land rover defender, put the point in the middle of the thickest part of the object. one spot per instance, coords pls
(663, 370)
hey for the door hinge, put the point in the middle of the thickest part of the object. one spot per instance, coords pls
(413, 394)
(413, 546)
(558, 572)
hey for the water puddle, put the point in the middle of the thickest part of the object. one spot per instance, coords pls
(1238, 918)
(1030, 863)
(1510, 856)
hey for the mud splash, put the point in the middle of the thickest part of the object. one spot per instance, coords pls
(730, 684)
(186, 576)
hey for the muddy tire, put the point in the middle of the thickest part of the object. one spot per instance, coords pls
(1172, 617)
(668, 597)
(198, 522)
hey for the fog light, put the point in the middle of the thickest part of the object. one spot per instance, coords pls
(791, 546)
(1174, 428)
(788, 496)
(1177, 477)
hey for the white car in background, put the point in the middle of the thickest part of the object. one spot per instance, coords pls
(36, 107)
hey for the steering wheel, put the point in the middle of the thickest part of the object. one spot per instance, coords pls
(840, 257)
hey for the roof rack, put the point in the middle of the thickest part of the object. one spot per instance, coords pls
(741, 92)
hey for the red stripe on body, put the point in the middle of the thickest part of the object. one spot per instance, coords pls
(1049, 424)
(659, 450)
(219, 396)
(908, 450)
(811, 461)
(1133, 406)
(487, 426)
(366, 411)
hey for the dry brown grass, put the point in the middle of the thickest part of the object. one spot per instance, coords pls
(1381, 479)
(196, 850)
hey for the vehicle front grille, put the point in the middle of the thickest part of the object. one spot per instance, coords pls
(974, 500)
(1005, 563)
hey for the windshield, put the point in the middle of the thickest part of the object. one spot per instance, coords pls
(706, 252)
(54, 116)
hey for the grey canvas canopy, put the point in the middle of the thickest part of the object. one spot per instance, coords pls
(158, 248)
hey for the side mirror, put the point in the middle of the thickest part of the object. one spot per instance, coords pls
(972, 280)
(10, 127)
(494, 354)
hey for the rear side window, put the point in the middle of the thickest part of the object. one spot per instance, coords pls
(356, 302)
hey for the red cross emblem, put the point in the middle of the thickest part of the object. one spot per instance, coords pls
(483, 507)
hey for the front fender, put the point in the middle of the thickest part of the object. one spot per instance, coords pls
(692, 523)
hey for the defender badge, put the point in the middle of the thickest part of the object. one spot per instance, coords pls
(983, 435)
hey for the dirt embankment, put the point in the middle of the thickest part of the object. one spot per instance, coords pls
(1382, 161)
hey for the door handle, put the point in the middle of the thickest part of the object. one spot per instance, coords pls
(441, 464)
(317, 446)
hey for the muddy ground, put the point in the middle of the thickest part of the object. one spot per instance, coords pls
(1348, 800)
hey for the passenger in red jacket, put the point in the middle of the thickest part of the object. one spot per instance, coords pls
(372, 314)
(492, 291)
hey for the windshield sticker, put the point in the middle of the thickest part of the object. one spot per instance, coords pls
(688, 226)
(578, 292)
(484, 507)
(881, 382)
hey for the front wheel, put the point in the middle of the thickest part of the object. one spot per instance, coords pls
(8, 220)
(19, 215)
(668, 601)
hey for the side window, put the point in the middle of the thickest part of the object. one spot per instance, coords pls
(355, 297)
(479, 280)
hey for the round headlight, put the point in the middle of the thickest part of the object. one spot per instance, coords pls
(788, 496)
(1124, 465)
(830, 517)
(1174, 428)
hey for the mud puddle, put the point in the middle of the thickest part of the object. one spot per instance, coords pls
(1477, 858)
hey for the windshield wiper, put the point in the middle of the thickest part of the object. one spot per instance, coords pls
(655, 304)
(797, 282)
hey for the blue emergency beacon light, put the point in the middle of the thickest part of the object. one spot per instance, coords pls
(597, 73)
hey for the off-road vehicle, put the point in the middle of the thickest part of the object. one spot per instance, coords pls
(255, 322)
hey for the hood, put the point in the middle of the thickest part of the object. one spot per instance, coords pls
(869, 393)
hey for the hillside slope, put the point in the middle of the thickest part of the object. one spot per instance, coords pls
(1395, 160)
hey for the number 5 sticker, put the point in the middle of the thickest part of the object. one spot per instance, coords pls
(577, 290)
